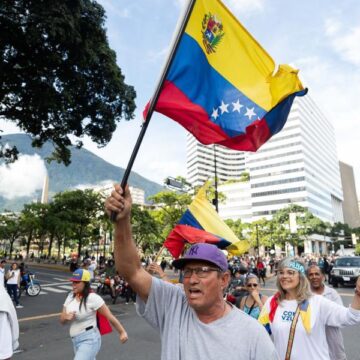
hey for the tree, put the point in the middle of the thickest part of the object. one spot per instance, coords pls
(145, 229)
(58, 75)
(78, 209)
(10, 229)
(171, 206)
(32, 223)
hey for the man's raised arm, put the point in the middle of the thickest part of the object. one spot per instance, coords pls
(127, 261)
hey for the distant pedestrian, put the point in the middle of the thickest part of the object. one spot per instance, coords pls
(13, 277)
(74, 264)
(163, 264)
(80, 309)
(334, 336)
(2, 272)
(254, 301)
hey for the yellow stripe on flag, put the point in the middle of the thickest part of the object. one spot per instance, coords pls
(241, 60)
(212, 223)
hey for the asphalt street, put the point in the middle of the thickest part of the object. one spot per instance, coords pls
(42, 337)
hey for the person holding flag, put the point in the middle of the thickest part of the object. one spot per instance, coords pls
(194, 322)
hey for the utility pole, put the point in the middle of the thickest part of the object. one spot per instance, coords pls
(257, 240)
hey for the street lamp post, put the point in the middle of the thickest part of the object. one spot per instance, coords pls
(257, 240)
(216, 199)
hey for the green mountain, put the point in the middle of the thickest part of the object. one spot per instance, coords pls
(85, 168)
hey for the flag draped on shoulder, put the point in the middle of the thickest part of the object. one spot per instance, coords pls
(201, 223)
(222, 85)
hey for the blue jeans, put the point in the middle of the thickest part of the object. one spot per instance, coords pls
(13, 292)
(87, 344)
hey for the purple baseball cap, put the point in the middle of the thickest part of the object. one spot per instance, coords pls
(203, 252)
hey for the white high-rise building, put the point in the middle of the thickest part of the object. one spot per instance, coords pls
(230, 164)
(299, 165)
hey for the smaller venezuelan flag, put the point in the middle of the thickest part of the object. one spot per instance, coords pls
(222, 86)
(201, 223)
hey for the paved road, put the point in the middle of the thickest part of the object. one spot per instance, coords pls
(42, 337)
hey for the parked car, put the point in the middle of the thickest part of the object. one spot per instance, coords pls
(345, 271)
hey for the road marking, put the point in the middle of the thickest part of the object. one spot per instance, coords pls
(57, 283)
(39, 317)
(62, 279)
(67, 287)
(55, 290)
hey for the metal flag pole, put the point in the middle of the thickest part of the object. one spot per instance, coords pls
(155, 98)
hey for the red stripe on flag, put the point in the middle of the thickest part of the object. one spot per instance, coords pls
(181, 234)
(175, 104)
(256, 135)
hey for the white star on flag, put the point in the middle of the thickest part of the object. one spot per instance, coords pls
(237, 106)
(250, 112)
(215, 113)
(224, 107)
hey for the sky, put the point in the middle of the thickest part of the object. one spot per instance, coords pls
(319, 37)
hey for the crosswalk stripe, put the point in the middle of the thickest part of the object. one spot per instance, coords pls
(42, 292)
(67, 287)
(62, 279)
(55, 290)
(57, 283)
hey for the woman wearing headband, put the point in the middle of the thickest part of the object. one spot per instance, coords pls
(296, 318)
(252, 303)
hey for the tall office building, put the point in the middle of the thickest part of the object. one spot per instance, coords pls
(350, 204)
(230, 164)
(299, 165)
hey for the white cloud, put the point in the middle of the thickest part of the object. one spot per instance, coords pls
(238, 7)
(23, 177)
(112, 7)
(155, 56)
(345, 41)
(332, 27)
(241, 7)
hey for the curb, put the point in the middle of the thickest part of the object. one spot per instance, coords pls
(48, 266)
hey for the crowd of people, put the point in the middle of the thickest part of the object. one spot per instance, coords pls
(216, 302)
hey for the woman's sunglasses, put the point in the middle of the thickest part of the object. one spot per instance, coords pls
(252, 285)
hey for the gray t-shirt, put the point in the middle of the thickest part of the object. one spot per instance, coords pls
(235, 336)
(334, 336)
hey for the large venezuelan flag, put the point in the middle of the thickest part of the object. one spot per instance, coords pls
(201, 223)
(221, 84)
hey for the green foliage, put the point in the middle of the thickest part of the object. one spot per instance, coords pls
(145, 229)
(58, 75)
(10, 229)
(238, 227)
(170, 207)
(78, 210)
(357, 250)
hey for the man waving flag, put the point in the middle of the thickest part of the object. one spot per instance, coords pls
(222, 86)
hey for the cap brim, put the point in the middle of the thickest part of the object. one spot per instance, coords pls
(74, 280)
(180, 263)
